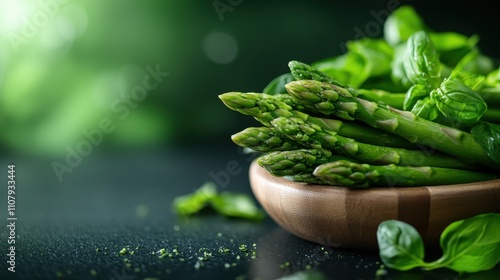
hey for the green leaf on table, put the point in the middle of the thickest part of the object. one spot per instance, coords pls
(471, 245)
(468, 245)
(488, 136)
(400, 245)
(237, 205)
(194, 202)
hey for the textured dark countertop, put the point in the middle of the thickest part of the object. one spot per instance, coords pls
(75, 229)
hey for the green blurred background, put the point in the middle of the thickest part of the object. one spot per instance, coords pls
(67, 68)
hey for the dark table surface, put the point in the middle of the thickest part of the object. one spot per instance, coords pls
(76, 228)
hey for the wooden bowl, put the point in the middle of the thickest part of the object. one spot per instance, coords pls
(349, 218)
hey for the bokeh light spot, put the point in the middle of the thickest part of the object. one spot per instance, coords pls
(220, 47)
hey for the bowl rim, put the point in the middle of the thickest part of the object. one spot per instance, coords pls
(283, 180)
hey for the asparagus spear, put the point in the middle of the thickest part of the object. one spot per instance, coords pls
(294, 162)
(265, 108)
(263, 139)
(347, 173)
(332, 99)
(302, 71)
(315, 137)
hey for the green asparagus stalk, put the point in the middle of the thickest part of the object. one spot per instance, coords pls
(492, 115)
(265, 108)
(315, 137)
(395, 100)
(264, 139)
(347, 173)
(294, 162)
(332, 99)
(307, 178)
(302, 71)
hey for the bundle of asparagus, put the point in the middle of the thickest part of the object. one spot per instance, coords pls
(318, 128)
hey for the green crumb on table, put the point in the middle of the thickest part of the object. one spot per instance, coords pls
(123, 251)
(381, 271)
(226, 265)
(224, 250)
(163, 253)
(243, 247)
(286, 264)
(137, 270)
(219, 234)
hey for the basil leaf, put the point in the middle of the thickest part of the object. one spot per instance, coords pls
(364, 59)
(426, 109)
(471, 80)
(277, 85)
(192, 203)
(376, 53)
(401, 24)
(471, 245)
(488, 136)
(459, 103)
(400, 245)
(421, 60)
(398, 74)
(414, 94)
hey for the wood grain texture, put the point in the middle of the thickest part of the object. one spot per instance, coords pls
(343, 217)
